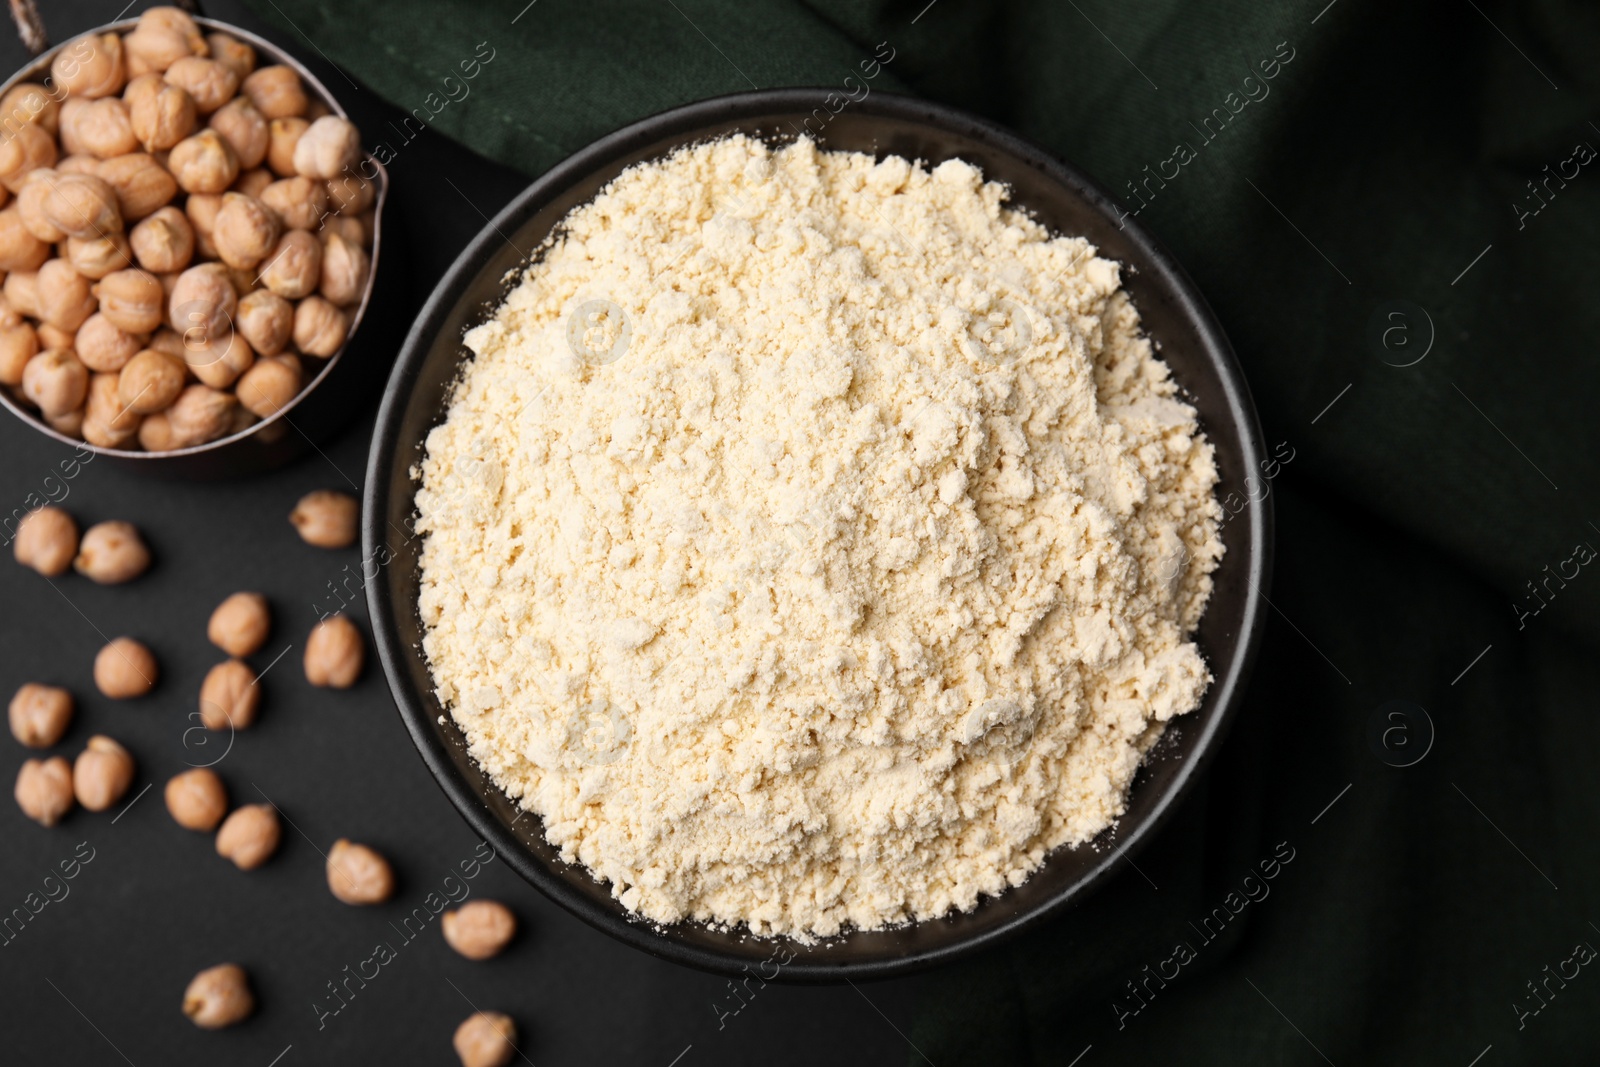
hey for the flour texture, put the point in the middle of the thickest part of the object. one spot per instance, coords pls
(814, 542)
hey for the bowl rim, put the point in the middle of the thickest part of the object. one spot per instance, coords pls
(757, 108)
(39, 66)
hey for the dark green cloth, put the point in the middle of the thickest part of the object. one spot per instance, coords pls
(1388, 157)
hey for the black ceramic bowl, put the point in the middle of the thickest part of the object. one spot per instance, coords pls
(1174, 314)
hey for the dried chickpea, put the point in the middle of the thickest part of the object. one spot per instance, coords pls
(102, 346)
(44, 789)
(245, 129)
(319, 327)
(276, 92)
(300, 202)
(266, 320)
(163, 242)
(105, 128)
(55, 381)
(91, 66)
(168, 340)
(82, 205)
(71, 108)
(326, 518)
(203, 163)
(282, 137)
(249, 836)
(229, 696)
(25, 150)
(70, 424)
(294, 267)
(344, 272)
(334, 653)
(31, 102)
(18, 344)
(156, 434)
(197, 799)
(219, 996)
(40, 714)
(96, 257)
(30, 206)
(243, 419)
(479, 929)
(150, 382)
(21, 290)
(202, 209)
(347, 226)
(350, 193)
(267, 387)
(79, 164)
(20, 249)
(217, 361)
(233, 54)
(200, 414)
(358, 874)
(156, 45)
(208, 82)
(111, 553)
(251, 182)
(203, 303)
(328, 146)
(107, 422)
(142, 185)
(102, 773)
(240, 624)
(65, 298)
(54, 337)
(142, 87)
(125, 669)
(245, 231)
(132, 300)
(47, 541)
(486, 1039)
(162, 119)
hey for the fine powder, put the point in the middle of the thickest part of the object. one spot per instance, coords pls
(814, 541)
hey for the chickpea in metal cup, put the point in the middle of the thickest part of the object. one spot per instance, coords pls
(147, 157)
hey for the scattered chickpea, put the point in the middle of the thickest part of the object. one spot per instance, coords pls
(219, 996)
(283, 135)
(203, 163)
(334, 653)
(200, 414)
(240, 624)
(125, 669)
(294, 266)
(44, 789)
(20, 343)
(65, 298)
(163, 242)
(21, 248)
(47, 541)
(245, 231)
(358, 874)
(94, 258)
(326, 518)
(229, 696)
(300, 202)
(344, 272)
(40, 714)
(142, 185)
(249, 836)
(197, 799)
(107, 421)
(103, 347)
(486, 1039)
(150, 382)
(267, 387)
(55, 381)
(132, 300)
(328, 146)
(102, 773)
(111, 553)
(479, 929)
(245, 129)
(163, 118)
(276, 92)
(105, 128)
(233, 54)
(210, 83)
(26, 150)
(267, 321)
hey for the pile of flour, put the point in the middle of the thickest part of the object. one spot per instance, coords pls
(814, 542)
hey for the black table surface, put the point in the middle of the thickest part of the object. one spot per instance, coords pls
(97, 975)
